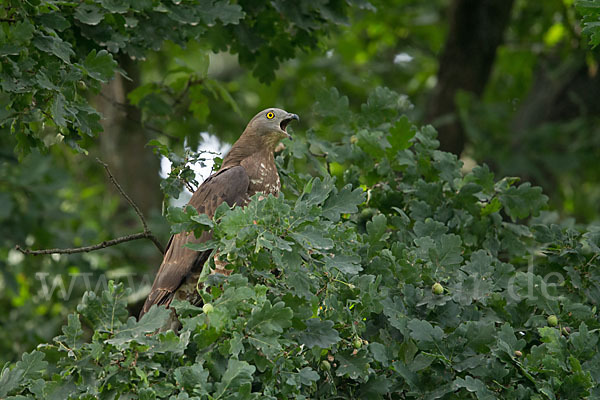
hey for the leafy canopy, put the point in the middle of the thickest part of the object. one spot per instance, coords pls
(53, 55)
(331, 293)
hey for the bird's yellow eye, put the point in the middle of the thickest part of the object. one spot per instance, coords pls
(270, 115)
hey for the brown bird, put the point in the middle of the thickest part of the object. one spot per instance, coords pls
(248, 168)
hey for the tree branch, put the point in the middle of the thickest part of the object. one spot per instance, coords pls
(146, 234)
(85, 249)
(190, 82)
(120, 189)
(324, 155)
(159, 131)
(121, 106)
(189, 186)
(147, 230)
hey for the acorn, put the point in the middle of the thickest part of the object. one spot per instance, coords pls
(207, 308)
(437, 289)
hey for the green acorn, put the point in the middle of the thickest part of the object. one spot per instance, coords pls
(437, 289)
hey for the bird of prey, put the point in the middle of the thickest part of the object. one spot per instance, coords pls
(248, 168)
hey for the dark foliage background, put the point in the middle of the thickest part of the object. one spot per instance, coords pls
(382, 214)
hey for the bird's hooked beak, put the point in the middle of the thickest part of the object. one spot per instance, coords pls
(284, 123)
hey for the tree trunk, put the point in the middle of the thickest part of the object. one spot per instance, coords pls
(560, 93)
(123, 142)
(476, 30)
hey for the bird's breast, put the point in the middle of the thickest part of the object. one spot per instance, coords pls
(263, 175)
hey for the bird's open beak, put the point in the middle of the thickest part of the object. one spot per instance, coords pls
(284, 123)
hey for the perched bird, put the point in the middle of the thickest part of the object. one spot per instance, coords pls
(248, 168)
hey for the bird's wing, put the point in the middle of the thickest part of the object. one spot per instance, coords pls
(229, 185)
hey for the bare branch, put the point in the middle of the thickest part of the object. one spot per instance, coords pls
(191, 82)
(85, 249)
(122, 106)
(189, 186)
(159, 131)
(147, 231)
(120, 189)
(324, 156)
(146, 234)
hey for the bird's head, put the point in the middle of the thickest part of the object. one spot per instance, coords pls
(271, 125)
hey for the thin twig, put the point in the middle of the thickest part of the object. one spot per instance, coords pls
(85, 249)
(321, 290)
(188, 186)
(49, 116)
(190, 82)
(120, 189)
(324, 155)
(146, 234)
(157, 130)
(147, 231)
(115, 103)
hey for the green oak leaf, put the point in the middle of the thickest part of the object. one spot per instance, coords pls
(318, 333)
(100, 65)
